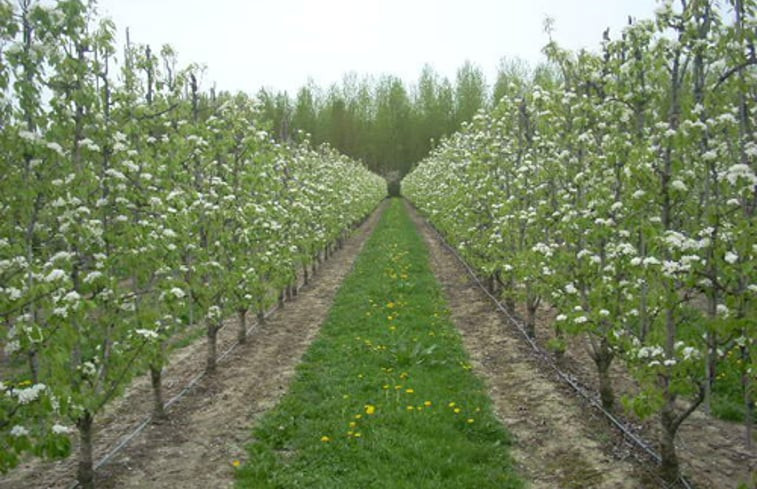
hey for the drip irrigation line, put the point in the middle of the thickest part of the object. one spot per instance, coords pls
(567, 378)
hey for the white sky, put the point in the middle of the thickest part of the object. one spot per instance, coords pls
(279, 44)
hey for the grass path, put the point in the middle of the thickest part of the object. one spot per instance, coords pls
(384, 397)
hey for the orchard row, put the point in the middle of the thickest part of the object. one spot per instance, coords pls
(132, 206)
(622, 193)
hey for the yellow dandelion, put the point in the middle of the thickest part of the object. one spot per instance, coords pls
(325, 439)
(358, 416)
(390, 305)
(397, 387)
(352, 424)
(236, 463)
(427, 403)
(452, 404)
(404, 375)
(370, 409)
(410, 408)
(470, 420)
(409, 391)
(357, 435)
(385, 386)
(392, 328)
(457, 410)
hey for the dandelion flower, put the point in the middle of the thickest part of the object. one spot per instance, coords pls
(427, 403)
(409, 391)
(370, 409)
(457, 410)
(325, 439)
(236, 463)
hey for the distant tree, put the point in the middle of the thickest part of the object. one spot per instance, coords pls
(470, 92)
(512, 77)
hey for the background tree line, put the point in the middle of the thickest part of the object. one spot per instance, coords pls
(389, 124)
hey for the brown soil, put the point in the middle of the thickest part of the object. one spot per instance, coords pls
(559, 441)
(209, 427)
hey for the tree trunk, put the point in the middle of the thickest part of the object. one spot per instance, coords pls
(532, 305)
(305, 274)
(710, 370)
(669, 466)
(210, 366)
(242, 331)
(559, 351)
(34, 365)
(85, 474)
(156, 379)
(282, 295)
(260, 317)
(603, 360)
(746, 381)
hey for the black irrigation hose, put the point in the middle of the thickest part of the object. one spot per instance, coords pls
(625, 431)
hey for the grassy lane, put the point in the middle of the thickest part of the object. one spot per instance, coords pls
(384, 397)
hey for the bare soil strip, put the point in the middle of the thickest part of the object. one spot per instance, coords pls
(559, 441)
(208, 428)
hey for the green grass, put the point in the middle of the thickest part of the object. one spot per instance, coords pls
(384, 397)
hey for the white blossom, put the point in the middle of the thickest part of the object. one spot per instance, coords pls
(72, 297)
(147, 334)
(92, 276)
(679, 185)
(54, 275)
(19, 431)
(60, 429)
(29, 394)
(740, 171)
